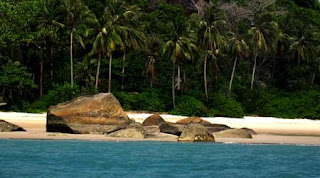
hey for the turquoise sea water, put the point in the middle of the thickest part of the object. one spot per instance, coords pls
(43, 158)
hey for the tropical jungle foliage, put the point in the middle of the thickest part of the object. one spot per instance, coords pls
(193, 57)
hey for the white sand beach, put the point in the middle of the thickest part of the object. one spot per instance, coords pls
(270, 130)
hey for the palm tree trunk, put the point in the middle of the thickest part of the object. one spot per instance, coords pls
(273, 67)
(254, 70)
(123, 69)
(51, 63)
(173, 91)
(232, 75)
(10, 93)
(41, 78)
(71, 60)
(110, 64)
(179, 77)
(205, 76)
(98, 69)
(314, 76)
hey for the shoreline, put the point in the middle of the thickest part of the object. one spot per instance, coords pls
(257, 139)
(270, 130)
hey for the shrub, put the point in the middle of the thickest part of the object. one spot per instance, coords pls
(127, 100)
(148, 100)
(59, 94)
(295, 105)
(226, 106)
(189, 106)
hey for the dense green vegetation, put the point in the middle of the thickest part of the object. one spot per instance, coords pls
(205, 58)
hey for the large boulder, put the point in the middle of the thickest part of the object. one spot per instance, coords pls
(233, 133)
(8, 127)
(134, 130)
(196, 132)
(169, 128)
(154, 119)
(97, 114)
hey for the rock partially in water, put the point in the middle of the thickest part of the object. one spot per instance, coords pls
(196, 132)
(163, 136)
(134, 130)
(97, 114)
(233, 133)
(170, 128)
(154, 119)
(8, 127)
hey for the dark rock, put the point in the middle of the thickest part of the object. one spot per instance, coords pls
(8, 127)
(233, 133)
(210, 127)
(252, 132)
(196, 132)
(98, 114)
(170, 128)
(152, 129)
(154, 119)
(217, 128)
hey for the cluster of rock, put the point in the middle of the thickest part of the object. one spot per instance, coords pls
(103, 114)
(194, 129)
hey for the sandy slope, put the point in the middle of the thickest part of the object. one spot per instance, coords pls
(271, 130)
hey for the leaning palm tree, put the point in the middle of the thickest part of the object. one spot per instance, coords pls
(74, 14)
(263, 38)
(98, 48)
(210, 37)
(239, 49)
(178, 49)
(134, 38)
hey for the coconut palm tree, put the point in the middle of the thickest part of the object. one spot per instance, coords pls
(74, 14)
(210, 37)
(98, 48)
(134, 39)
(302, 49)
(239, 49)
(179, 48)
(116, 34)
(150, 70)
(263, 38)
(112, 34)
